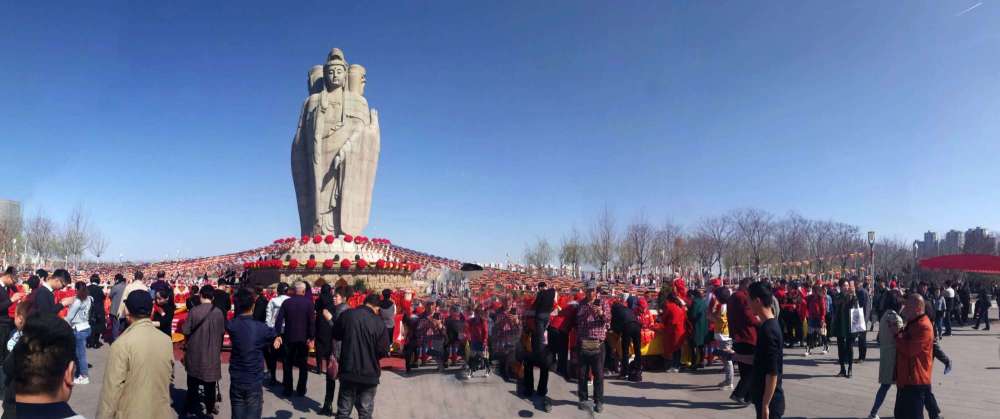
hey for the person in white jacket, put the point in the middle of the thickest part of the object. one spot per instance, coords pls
(78, 317)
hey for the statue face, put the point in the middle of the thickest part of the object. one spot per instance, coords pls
(336, 76)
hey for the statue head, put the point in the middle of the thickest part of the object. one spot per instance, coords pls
(356, 79)
(315, 79)
(335, 70)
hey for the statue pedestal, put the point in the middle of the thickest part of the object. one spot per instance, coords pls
(374, 277)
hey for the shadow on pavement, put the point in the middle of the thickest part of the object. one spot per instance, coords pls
(300, 404)
(676, 403)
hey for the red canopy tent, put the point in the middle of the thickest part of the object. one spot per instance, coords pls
(984, 264)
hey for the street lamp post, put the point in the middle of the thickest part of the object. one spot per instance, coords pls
(871, 248)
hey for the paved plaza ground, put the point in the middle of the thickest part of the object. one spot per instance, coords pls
(810, 385)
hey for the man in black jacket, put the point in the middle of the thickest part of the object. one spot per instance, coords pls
(45, 299)
(625, 323)
(363, 341)
(98, 318)
(7, 297)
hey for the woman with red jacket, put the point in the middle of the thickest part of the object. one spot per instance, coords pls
(816, 317)
(674, 320)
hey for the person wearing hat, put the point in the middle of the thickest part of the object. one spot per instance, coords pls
(137, 376)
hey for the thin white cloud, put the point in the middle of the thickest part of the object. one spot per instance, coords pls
(974, 6)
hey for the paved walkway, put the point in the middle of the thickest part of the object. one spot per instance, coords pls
(810, 384)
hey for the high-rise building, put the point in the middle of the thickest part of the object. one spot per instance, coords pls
(953, 243)
(979, 241)
(929, 247)
(10, 213)
(10, 227)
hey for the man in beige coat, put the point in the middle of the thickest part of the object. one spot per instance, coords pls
(137, 376)
(136, 284)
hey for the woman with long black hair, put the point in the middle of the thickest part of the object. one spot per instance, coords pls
(324, 331)
(163, 311)
(78, 317)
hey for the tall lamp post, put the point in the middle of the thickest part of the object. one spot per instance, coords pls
(871, 248)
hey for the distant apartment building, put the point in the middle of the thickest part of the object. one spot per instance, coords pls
(929, 246)
(979, 241)
(953, 243)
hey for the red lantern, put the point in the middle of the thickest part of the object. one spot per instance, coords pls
(345, 263)
(317, 239)
(362, 264)
(380, 264)
(348, 238)
(311, 264)
(294, 263)
(328, 264)
(329, 238)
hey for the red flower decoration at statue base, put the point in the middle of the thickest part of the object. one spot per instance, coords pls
(348, 238)
(362, 264)
(328, 264)
(311, 264)
(346, 263)
(294, 263)
(317, 239)
(329, 238)
(381, 264)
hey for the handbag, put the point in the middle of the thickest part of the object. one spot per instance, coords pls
(858, 320)
(590, 346)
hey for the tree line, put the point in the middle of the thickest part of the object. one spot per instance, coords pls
(42, 239)
(746, 241)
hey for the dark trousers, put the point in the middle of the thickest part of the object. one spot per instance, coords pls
(331, 390)
(742, 390)
(97, 327)
(207, 395)
(6, 329)
(930, 403)
(528, 380)
(295, 355)
(862, 338)
(559, 346)
(356, 396)
(910, 401)
(985, 317)
(845, 351)
(631, 337)
(795, 329)
(247, 401)
(116, 327)
(591, 364)
(271, 357)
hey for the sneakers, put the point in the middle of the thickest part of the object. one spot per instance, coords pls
(737, 399)
(598, 407)
(545, 404)
(874, 416)
(81, 380)
(806, 354)
(674, 370)
(725, 386)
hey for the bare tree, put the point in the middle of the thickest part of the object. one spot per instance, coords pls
(790, 238)
(893, 256)
(538, 255)
(718, 232)
(667, 247)
(76, 234)
(572, 252)
(818, 238)
(98, 244)
(638, 241)
(846, 240)
(603, 241)
(40, 234)
(755, 228)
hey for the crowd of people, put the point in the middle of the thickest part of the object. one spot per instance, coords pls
(584, 330)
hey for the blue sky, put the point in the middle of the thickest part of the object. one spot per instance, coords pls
(505, 121)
